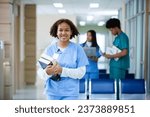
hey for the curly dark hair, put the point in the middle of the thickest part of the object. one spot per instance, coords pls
(53, 30)
(112, 23)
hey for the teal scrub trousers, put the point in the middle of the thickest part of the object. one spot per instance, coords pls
(117, 73)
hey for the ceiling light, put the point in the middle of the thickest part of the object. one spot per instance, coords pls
(115, 16)
(62, 11)
(58, 5)
(101, 23)
(94, 5)
(90, 18)
(82, 23)
(107, 13)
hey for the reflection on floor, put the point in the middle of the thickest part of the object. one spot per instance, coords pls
(35, 92)
(30, 92)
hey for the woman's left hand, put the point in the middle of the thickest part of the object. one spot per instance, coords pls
(57, 69)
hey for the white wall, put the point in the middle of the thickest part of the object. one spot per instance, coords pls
(44, 22)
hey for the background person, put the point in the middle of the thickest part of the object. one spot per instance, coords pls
(118, 68)
(92, 69)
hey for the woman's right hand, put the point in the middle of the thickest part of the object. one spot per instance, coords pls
(50, 69)
(94, 58)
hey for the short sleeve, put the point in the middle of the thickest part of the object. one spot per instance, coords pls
(98, 52)
(81, 57)
(47, 50)
(124, 43)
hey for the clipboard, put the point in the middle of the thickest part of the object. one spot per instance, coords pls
(90, 51)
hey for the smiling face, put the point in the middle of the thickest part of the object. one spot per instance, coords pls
(64, 32)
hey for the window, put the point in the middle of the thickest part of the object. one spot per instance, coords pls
(134, 29)
(131, 7)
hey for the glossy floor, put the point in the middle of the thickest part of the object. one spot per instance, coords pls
(35, 92)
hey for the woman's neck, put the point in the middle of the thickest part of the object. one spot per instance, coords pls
(89, 44)
(63, 44)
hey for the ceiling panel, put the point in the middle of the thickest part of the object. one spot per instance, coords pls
(80, 8)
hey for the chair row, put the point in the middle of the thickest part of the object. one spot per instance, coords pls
(103, 74)
(106, 89)
(106, 76)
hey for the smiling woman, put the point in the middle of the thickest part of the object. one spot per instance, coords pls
(68, 63)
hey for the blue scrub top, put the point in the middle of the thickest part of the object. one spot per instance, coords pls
(72, 57)
(92, 69)
(121, 42)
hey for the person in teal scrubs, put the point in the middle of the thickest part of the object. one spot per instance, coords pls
(62, 78)
(92, 71)
(118, 67)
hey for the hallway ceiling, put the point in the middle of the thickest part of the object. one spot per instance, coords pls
(80, 8)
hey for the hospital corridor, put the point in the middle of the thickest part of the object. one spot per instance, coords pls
(28, 27)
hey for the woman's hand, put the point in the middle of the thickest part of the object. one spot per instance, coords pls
(57, 69)
(54, 69)
(108, 56)
(94, 58)
(50, 69)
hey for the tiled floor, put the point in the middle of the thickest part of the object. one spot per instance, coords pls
(35, 92)
(32, 92)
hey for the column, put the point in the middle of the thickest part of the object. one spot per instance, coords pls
(30, 44)
(6, 34)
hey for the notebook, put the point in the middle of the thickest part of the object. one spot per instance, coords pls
(113, 50)
(45, 60)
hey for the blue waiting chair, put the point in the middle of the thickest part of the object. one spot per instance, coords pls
(102, 89)
(132, 89)
(102, 71)
(83, 89)
(84, 85)
(104, 76)
(130, 76)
